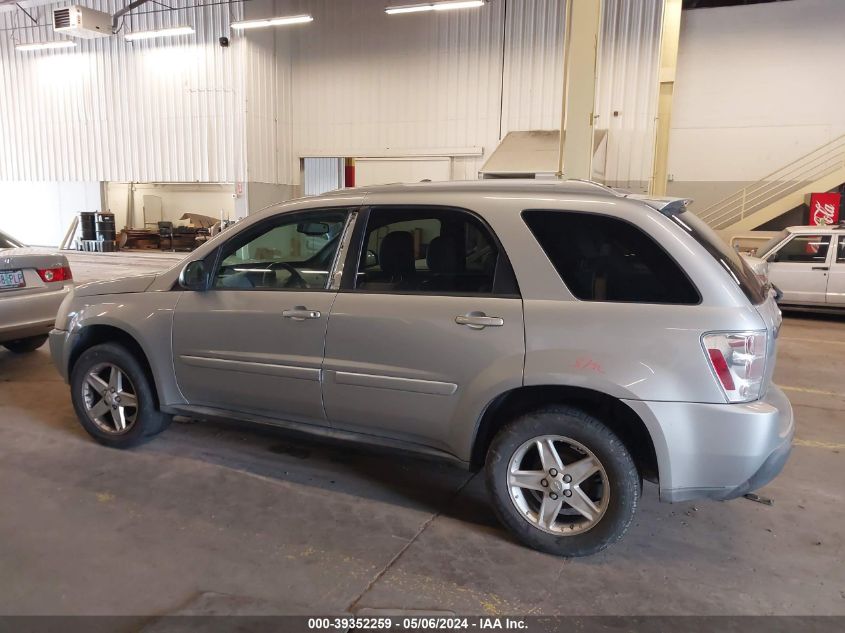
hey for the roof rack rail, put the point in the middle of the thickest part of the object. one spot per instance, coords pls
(592, 182)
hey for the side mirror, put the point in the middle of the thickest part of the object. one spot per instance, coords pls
(772, 258)
(193, 276)
(371, 259)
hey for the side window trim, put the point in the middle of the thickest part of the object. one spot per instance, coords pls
(798, 237)
(359, 235)
(693, 286)
(268, 224)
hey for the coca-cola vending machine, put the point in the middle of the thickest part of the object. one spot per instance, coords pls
(824, 208)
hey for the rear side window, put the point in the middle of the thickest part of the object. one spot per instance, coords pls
(601, 258)
(730, 260)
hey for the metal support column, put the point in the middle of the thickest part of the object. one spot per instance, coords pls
(583, 19)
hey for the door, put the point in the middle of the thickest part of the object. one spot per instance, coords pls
(427, 330)
(253, 342)
(799, 268)
(836, 278)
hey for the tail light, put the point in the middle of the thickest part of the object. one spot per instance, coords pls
(738, 360)
(50, 275)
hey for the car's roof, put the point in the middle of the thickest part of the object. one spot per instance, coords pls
(830, 228)
(499, 185)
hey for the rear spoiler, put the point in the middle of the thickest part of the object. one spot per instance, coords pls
(666, 206)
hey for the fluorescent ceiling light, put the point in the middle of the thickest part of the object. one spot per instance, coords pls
(435, 6)
(281, 21)
(148, 35)
(42, 46)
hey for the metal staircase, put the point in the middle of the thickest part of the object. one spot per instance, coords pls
(822, 169)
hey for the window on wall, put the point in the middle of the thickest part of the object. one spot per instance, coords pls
(804, 249)
(291, 252)
(601, 258)
(431, 251)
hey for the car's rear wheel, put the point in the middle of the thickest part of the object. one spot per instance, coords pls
(25, 345)
(114, 398)
(562, 481)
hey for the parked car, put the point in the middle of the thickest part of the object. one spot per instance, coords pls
(569, 339)
(807, 265)
(33, 284)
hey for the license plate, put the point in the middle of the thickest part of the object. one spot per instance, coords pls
(11, 279)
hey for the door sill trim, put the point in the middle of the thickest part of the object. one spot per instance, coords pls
(353, 437)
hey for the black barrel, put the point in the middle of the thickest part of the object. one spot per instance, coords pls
(87, 224)
(105, 227)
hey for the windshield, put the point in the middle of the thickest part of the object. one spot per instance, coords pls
(8, 242)
(724, 254)
(765, 248)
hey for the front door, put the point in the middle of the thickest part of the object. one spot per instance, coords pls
(428, 333)
(799, 268)
(836, 279)
(253, 342)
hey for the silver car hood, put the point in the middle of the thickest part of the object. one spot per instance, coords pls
(26, 257)
(137, 283)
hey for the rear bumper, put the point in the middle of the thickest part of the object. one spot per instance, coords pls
(30, 314)
(718, 451)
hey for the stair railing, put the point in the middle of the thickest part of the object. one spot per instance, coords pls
(801, 172)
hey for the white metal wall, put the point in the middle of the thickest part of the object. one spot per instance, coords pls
(353, 82)
(362, 82)
(114, 110)
(322, 175)
(628, 69)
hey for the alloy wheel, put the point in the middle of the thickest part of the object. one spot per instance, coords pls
(110, 399)
(558, 485)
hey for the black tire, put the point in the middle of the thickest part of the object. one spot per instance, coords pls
(148, 420)
(624, 482)
(25, 345)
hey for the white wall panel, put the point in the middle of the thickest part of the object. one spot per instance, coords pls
(362, 82)
(322, 175)
(757, 87)
(628, 69)
(533, 68)
(113, 110)
(39, 213)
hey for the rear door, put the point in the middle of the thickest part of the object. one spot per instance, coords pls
(253, 341)
(800, 268)
(426, 331)
(836, 278)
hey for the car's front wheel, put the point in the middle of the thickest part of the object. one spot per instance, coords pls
(562, 481)
(114, 398)
(25, 345)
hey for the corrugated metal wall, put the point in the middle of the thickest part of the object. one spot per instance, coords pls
(628, 68)
(354, 81)
(114, 110)
(322, 175)
(362, 81)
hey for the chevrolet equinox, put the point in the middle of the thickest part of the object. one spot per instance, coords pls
(569, 339)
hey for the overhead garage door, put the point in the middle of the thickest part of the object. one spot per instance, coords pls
(380, 171)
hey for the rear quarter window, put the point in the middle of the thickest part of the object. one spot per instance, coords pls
(602, 258)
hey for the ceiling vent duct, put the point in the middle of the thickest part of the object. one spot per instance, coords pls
(82, 22)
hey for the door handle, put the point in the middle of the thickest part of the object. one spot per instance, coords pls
(479, 320)
(821, 268)
(300, 313)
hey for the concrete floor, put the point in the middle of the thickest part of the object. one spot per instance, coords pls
(232, 519)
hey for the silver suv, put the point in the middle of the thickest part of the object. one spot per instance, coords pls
(569, 339)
